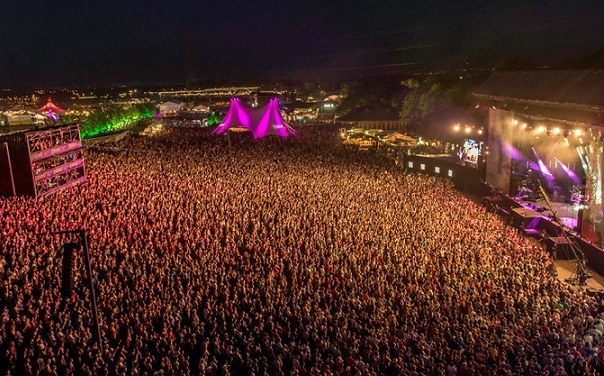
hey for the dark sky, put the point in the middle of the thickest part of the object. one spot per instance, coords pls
(93, 42)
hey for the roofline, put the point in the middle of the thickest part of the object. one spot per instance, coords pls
(574, 106)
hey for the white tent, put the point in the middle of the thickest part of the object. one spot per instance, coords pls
(201, 108)
(170, 108)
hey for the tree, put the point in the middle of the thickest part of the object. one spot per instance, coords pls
(410, 83)
(362, 93)
(410, 113)
(429, 102)
(114, 119)
(437, 96)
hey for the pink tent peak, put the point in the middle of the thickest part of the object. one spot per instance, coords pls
(236, 117)
(272, 122)
(262, 122)
(49, 106)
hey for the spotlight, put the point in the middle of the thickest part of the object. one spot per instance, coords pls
(524, 125)
(456, 128)
(515, 122)
(541, 129)
(556, 130)
(480, 131)
(578, 132)
(468, 130)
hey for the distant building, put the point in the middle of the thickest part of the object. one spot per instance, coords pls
(300, 111)
(374, 116)
(170, 108)
(262, 98)
(327, 111)
(333, 97)
(20, 119)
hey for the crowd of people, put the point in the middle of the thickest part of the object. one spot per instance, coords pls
(216, 256)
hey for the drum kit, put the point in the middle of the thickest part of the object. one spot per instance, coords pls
(526, 191)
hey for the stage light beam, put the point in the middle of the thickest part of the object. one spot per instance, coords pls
(569, 172)
(583, 159)
(542, 166)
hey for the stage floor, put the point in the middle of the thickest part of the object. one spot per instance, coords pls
(566, 270)
(566, 212)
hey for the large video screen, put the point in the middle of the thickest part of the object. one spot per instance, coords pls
(470, 151)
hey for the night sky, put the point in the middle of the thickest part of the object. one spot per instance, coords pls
(100, 42)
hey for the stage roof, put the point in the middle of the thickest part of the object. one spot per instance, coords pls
(584, 88)
(576, 96)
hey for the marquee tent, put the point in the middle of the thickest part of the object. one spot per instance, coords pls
(396, 136)
(170, 108)
(201, 108)
(262, 122)
(51, 107)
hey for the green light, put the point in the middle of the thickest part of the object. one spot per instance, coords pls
(114, 119)
(213, 120)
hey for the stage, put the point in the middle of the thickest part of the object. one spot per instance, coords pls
(535, 220)
(568, 213)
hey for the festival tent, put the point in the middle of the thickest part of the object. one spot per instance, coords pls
(201, 108)
(51, 107)
(170, 107)
(236, 116)
(396, 136)
(262, 122)
(272, 122)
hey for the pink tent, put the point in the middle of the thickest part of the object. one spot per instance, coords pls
(262, 122)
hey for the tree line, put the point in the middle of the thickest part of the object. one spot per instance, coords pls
(111, 119)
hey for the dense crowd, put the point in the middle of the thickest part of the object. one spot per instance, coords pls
(280, 257)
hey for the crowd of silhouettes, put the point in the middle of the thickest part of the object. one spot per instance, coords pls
(280, 257)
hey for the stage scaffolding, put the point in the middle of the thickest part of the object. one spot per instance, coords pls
(45, 161)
